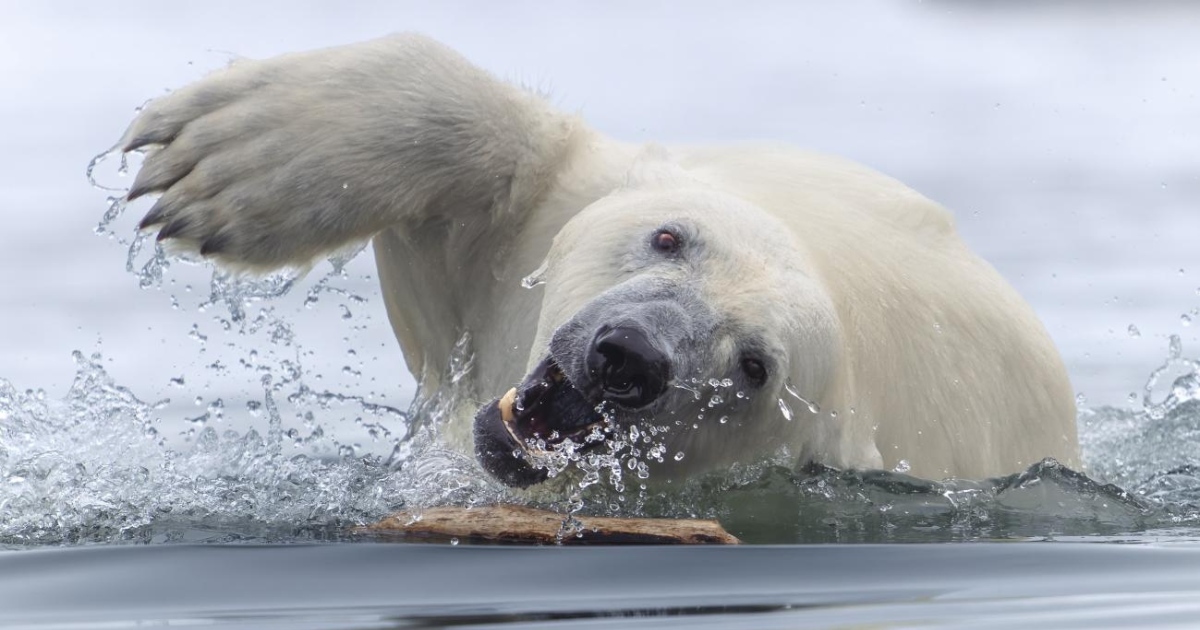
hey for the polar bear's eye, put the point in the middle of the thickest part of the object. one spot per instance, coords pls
(754, 370)
(665, 241)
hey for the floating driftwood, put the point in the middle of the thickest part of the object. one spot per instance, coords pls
(517, 524)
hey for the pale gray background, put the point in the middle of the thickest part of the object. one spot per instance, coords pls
(1065, 136)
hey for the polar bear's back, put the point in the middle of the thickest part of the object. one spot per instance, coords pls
(944, 361)
(818, 188)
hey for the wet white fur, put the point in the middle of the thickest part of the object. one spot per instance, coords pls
(463, 182)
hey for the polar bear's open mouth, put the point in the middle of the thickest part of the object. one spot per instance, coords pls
(540, 414)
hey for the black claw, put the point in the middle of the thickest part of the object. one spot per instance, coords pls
(137, 191)
(215, 244)
(136, 143)
(143, 141)
(173, 228)
(151, 134)
(156, 215)
(143, 184)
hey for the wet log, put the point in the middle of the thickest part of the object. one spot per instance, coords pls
(518, 524)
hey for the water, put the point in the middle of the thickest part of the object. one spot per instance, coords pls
(405, 586)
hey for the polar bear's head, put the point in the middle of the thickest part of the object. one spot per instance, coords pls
(652, 294)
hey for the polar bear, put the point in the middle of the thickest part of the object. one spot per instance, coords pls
(742, 300)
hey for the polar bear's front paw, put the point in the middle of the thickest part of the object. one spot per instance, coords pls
(269, 163)
(275, 162)
(223, 156)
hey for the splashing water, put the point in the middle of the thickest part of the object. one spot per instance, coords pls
(101, 464)
(97, 465)
(1153, 451)
(94, 466)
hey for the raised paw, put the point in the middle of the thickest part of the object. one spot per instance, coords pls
(274, 162)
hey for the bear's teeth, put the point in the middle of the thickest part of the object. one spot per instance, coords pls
(506, 408)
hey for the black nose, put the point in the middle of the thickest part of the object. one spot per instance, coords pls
(630, 371)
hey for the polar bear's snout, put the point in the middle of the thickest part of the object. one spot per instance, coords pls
(609, 365)
(626, 367)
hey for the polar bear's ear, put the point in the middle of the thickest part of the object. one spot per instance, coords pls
(654, 167)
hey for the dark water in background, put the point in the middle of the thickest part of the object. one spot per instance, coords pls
(1065, 138)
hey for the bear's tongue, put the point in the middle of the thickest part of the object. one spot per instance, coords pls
(548, 408)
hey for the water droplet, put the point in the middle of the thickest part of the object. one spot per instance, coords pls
(177, 381)
(196, 334)
(1080, 400)
(695, 392)
(679, 456)
(1132, 398)
(1134, 332)
(813, 407)
(1175, 347)
(643, 471)
(715, 400)
(723, 419)
(453, 541)
(1185, 319)
(902, 466)
(728, 382)
(537, 277)
(785, 409)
